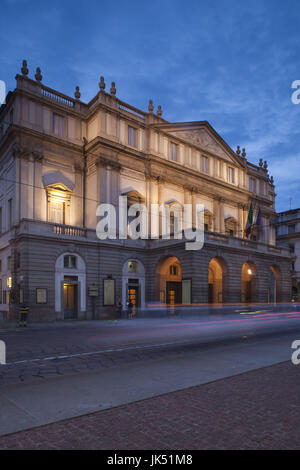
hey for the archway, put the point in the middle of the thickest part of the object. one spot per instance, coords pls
(216, 280)
(133, 283)
(169, 280)
(70, 285)
(249, 282)
(274, 290)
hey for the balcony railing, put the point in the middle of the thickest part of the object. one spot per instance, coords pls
(69, 230)
(57, 97)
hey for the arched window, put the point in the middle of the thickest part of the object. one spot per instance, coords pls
(133, 266)
(70, 261)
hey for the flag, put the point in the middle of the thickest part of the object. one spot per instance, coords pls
(249, 221)
(258, 218)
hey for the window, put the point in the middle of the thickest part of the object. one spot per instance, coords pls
(173, 270)
(208, 221)
(291, 228)
(230, 174)
(204, 164)
(132, 266)
(292, 248)
(252, 185)
(9, 213)
(70, 261)
(0, 219)
(57, 211)
(1, 265)
(0, 291)
(173, 151)
(131, 136)
(9, 263)
(172, 223)
(58, 125)
(231, 227)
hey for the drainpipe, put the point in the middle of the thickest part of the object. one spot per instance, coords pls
(84, 179)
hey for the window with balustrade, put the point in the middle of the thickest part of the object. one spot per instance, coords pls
(58, 198)
(231, 227)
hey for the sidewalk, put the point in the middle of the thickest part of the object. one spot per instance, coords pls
(259, 409)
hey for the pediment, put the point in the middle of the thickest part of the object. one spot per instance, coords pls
(202, 135)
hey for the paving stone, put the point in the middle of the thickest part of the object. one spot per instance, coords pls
(254, 410)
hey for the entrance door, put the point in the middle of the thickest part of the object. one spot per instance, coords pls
(210, 293)
(133, 296)
(174, 292)
(70, 300)
(248, 291)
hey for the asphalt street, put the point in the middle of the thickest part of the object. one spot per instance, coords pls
(60, 370)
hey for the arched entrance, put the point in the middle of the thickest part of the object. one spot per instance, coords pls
(249, 282)
(133, 283)
(274, 290)
(169, 278)
(216, 278)
(70, 285)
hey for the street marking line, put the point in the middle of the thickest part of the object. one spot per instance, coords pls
(131, 348)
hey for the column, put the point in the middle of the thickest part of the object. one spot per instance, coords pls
(160, 202)
(216, 205)
(108, 184)
(221, 213)
(240, 221)
(40, 209)
(153, 217)
(194, 209)
(187, 200)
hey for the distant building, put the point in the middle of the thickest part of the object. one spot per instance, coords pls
(60, 158)
(288, 236)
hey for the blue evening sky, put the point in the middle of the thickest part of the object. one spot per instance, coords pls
(229, 62)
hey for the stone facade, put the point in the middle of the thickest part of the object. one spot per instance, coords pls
(61, 158)
(288, 236)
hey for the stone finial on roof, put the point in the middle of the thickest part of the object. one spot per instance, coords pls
(38, 76)
(159, 110)
(24, 68)
(102, 84)
(77, 93)
(238, 150)
(272, 180)
(261, 162)
(113, 89)
(150, 107)
(265, 165)
(244, 153)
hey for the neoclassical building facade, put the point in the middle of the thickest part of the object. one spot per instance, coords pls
(61, 158)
